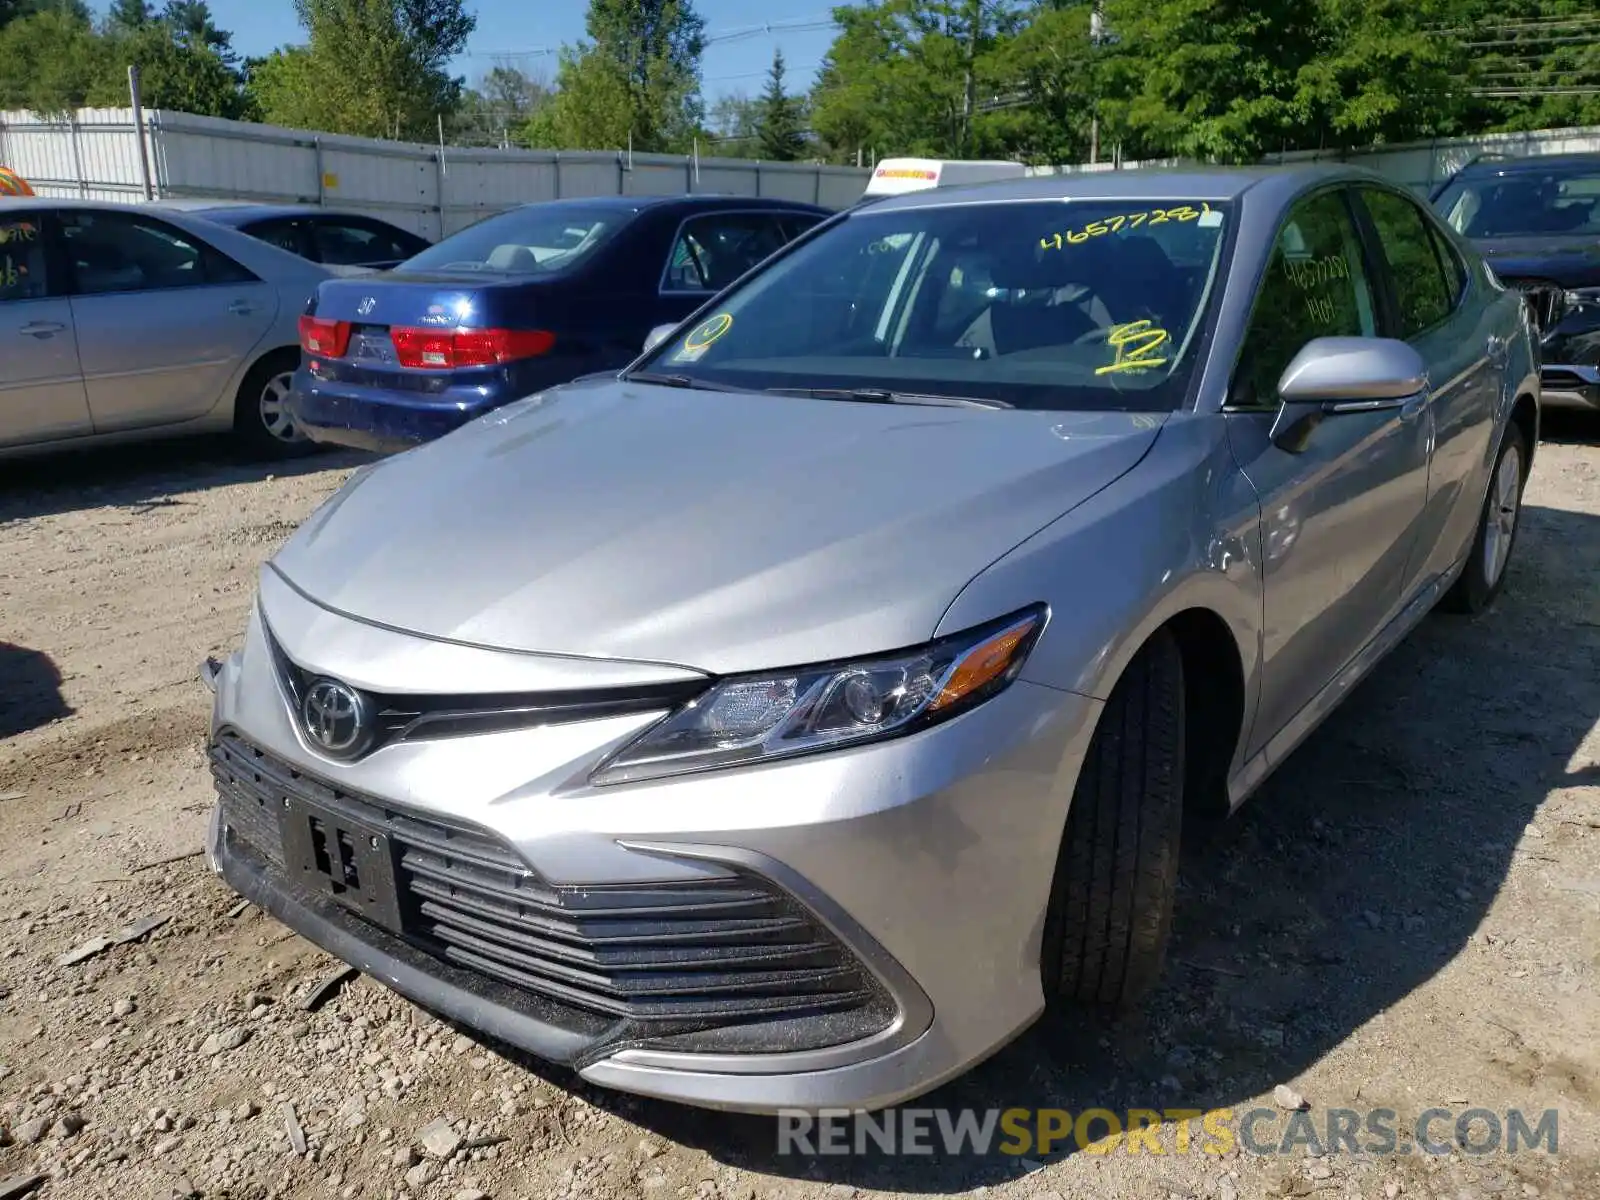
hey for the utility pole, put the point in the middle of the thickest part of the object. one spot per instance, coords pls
(970, 94)
(1097, 33)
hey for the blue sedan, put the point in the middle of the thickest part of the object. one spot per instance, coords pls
(519, 302)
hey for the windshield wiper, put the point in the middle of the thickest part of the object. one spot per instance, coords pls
(677, 381)
(882, 396)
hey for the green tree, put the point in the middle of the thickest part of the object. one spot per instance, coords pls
(129, 14)
(781, 119)
(49, 61)
(174, 74)
(734, 126)
(914, 77)
(636, 80)
(497, 109)
(376, 68)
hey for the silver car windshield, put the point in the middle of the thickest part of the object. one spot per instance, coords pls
(1036, 304)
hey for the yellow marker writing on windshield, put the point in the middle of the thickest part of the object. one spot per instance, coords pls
(708, 332)
(1136, 344)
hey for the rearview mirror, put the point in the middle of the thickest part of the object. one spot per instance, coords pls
(656, 336)
(1338, 375)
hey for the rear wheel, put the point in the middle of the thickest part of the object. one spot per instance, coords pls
(1111, 905)
(261, 420)
(1485, 573)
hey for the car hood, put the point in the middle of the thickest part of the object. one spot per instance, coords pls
(720, 531)
(1561, 258)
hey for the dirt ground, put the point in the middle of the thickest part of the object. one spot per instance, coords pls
(1407, 917)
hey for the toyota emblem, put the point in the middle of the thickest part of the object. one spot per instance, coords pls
(368, 303)
(334, 717)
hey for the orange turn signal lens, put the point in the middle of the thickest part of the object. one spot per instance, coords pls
(985, 662)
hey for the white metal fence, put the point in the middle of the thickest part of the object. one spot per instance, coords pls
(1417, 165)
(95, 154)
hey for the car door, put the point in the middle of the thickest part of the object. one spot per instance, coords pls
(1461, 339)
(164, 320)
(1338, 518)
(41, 385)
(710, 251)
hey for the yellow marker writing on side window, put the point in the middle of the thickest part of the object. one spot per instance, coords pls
(1137, 345)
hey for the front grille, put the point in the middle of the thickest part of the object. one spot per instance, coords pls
(684, 953)
(1546, 301)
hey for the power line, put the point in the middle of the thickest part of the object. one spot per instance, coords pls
(736, 34)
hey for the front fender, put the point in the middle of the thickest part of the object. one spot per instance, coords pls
(1180, 531)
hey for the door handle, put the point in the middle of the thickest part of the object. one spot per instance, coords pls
(41, 329)
(241, 308)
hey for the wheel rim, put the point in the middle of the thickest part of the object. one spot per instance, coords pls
(274, 408)
(1500, 515)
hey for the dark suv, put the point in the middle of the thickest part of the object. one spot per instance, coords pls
(1537, 221)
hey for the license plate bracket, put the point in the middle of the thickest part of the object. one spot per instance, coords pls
(346, 861)
(374, 346)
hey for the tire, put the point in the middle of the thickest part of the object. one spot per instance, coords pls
(1485, 572)
(261, 425)
(1117, 875)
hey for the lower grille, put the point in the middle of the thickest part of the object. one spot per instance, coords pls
(683, 954)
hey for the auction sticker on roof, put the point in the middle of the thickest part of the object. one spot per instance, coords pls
(702, 336)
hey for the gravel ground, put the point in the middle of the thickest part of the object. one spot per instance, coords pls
(1407, 917)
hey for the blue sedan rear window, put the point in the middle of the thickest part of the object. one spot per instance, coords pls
(536, 240)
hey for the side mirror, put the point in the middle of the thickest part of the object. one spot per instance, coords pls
(656, 336)
(1337, 375)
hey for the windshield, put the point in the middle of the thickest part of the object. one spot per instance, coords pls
(539, 239)
(1038, 304)
(1524, 203)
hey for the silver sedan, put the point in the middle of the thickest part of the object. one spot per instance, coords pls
(122, 322)
(795, 718)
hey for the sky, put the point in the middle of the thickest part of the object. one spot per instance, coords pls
(526, 35)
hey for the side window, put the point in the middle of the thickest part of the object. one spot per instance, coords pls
(350, 244)
(284, 234)
(117, 252)
(22, 259)
(1316, 286)
(794, 224)
(712, 251)
(1422, 292)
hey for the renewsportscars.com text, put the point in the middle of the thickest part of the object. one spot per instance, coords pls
(1172, 1131)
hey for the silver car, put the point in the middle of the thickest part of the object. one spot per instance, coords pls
(793, 719)
(122, 322)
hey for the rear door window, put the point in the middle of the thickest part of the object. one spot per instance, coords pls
(118, 252)
(285, 233)
(357, 243)
(1423, 292)
(22, 258)
(714, 250)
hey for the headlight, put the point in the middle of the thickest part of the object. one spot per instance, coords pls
(757, 718)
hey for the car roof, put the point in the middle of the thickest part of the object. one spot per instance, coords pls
(236, 212)
(1216, 184)
(681, 202)
(1533, 162)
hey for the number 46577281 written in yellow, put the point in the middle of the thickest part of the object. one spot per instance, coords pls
(1122, 222)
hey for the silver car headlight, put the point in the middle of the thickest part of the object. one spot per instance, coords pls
(756, 718)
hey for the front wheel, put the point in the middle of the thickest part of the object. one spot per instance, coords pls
(1485, 573)
(1117, 876)
(262, 422)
